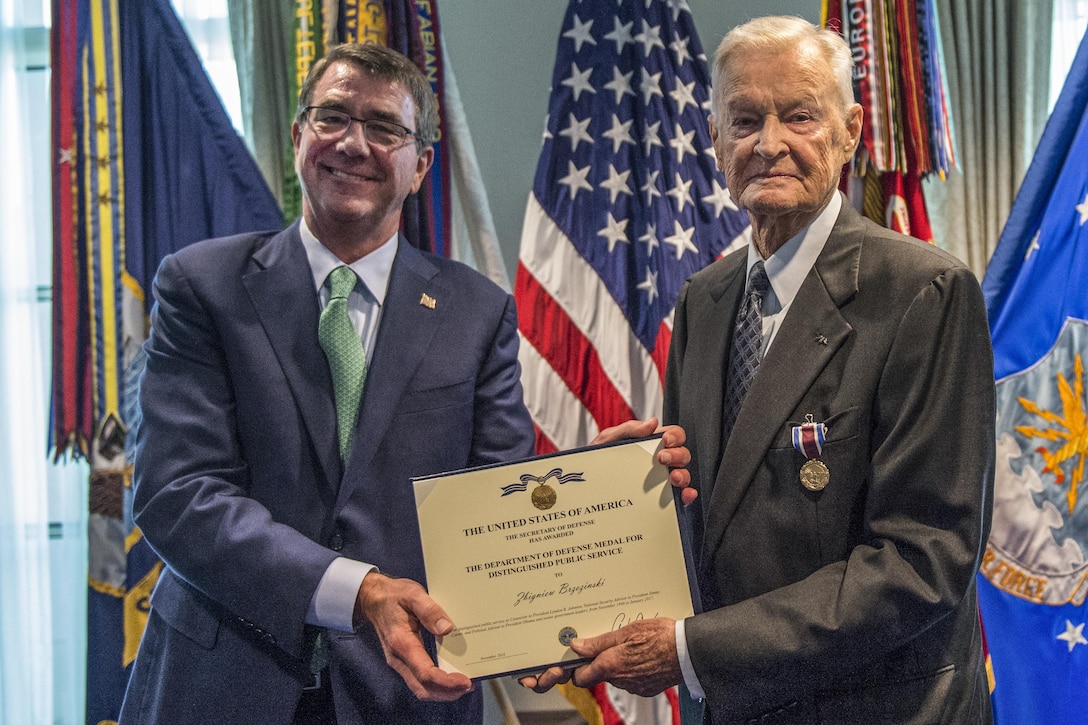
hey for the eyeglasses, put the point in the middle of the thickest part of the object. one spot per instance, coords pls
(329, 124)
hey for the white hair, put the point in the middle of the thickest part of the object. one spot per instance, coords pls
(780, 32)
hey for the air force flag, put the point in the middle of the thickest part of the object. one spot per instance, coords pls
(1034, 577)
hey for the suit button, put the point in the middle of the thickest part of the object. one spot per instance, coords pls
(336, 543)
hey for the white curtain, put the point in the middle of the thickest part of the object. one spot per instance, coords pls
(26, 678)
(209, 30)
(43, 551)
(1070, 21)
(997, 60)
(259, 31)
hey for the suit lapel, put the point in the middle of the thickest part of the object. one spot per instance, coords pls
(404, 338)
(282, 290)
(708, 353)
(811, 334)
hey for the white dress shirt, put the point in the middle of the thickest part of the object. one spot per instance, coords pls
(333, 602)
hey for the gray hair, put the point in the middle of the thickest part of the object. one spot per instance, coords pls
(388, 65)
(780, 32)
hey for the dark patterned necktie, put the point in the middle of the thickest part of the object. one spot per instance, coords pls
(344, 349)
(746, 350)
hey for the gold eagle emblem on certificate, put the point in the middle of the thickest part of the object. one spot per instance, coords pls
(543, 496)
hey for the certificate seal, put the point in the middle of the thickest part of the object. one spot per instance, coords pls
(543, 497)
(814, 475)
(567, 635)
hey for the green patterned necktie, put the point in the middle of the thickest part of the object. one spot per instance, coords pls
(344, 350)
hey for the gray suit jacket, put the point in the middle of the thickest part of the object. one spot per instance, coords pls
(239, 486)
(855, 603)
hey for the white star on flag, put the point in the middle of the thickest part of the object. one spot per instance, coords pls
(576, 178)
(615, 232)
(616, 183)
(679, 45)
(577, 131)
(580, 33)
(682, 142)
(650, 240)
(650, 85)
(650, 187)
(649, 285)
(578, 80)
(651, 137)
(681, 239)
(620, 84)
(684, 95)
(1073, 634)
(1083, 209)
(650, 37)
(681, 193)
(720, 198)
(620, 133)
(621, 34)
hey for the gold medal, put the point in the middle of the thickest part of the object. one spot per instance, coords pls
(814, 475)
(543, 497)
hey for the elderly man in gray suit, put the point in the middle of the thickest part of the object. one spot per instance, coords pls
(844, 463)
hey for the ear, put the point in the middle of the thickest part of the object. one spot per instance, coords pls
(423, 164)
(854, 116)
(714, 142)
(296, 140)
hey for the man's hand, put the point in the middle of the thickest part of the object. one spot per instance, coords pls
(546, 680)
(674, 454)
(639, 657)
(396, 608)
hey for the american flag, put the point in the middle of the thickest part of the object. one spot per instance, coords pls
(627, 203)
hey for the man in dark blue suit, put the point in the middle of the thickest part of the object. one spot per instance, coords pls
(289, 592)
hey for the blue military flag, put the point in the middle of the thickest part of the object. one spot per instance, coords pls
(1034, 577)
(147, 162)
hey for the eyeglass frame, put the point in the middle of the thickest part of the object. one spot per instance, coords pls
(362, 122)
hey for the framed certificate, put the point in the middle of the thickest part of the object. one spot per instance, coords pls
(527, 556)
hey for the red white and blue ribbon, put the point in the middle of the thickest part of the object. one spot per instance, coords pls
(808, 438)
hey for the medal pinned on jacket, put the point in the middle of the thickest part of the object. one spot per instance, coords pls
(808, 439)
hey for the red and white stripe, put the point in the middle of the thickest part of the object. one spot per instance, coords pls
(583, 368)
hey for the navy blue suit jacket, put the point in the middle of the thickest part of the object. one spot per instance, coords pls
(239, 485)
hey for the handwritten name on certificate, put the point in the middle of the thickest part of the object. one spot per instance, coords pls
(527, 556)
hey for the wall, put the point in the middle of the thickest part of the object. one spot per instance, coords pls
(503, 52)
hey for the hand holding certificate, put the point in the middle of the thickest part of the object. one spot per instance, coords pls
(525, 557)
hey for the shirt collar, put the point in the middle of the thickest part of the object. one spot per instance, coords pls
(788, 267)
(373, 269)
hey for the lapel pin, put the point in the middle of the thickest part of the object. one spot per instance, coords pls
(427, 301)
(821, 339)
